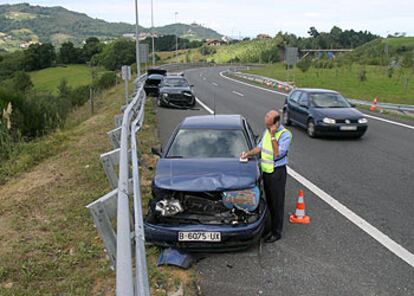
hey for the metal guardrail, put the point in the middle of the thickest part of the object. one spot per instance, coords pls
(273, 82)
(115, 205)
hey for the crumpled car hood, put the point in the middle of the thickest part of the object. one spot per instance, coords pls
(198, 175)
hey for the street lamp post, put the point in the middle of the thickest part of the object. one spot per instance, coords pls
(176, 38)
(152, 33)
(138, 61)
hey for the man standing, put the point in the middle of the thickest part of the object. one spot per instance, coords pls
(273, 149)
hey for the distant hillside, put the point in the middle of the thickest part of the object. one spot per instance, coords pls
(253, 51)
(383, 50)
(22, 24)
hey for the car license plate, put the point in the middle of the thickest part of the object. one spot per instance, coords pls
(348, 128)
(199, 236)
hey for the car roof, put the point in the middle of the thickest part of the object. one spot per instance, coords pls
(316, 90)
(213, 122)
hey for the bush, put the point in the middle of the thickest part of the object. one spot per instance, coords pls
(106, 81)
(362, 75)
(304, 65)
(22, 81)
(207, 50)
(80, 95)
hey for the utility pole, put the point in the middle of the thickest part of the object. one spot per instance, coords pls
(138, 61)
(176, 38)
(152, 33)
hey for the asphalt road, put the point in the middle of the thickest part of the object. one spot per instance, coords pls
(373, 177)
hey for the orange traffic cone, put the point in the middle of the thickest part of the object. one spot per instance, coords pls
(374, 105)
(300, 217)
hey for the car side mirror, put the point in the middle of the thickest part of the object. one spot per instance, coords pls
(191, 85)
(156, 151)
(352, 105)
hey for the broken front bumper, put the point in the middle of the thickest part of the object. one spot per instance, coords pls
(233, 237)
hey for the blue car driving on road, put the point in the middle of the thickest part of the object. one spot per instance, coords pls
(204, 197)
(323, 112)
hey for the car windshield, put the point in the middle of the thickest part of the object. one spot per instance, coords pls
(175, 82)
(329, 100)
(208, 143)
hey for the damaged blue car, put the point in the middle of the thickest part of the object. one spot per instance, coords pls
(204, 196)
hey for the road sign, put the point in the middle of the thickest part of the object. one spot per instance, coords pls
(143, 53)
(126, 72)
(291, 56)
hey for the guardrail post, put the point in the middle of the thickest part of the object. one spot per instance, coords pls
(101, 214)
(109, 161)
(115, 137)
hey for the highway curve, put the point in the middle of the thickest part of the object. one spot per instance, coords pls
(372, 179)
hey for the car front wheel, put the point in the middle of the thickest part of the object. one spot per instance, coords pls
(311, 129)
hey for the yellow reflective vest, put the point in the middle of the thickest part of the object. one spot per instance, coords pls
(267, 163)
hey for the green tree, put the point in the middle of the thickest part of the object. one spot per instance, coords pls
(39, 56)
(92, 47)
(22, 81)
(69, 54)
(116, 54)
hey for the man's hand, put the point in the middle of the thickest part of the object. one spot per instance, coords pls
(273, 129)
(244, 155)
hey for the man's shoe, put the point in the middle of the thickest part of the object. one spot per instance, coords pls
(272, 238)
(266, 236)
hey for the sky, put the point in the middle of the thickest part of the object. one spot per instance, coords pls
(248, 18)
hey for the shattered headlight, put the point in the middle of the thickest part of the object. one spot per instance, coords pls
(247, 199)
(169, 207)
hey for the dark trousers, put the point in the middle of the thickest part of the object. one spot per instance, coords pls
(274, 187)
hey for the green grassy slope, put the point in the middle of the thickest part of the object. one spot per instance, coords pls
(49, 79)
(346, 80)
(382, 51)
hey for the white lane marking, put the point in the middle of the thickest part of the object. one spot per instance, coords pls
(389, 121)
(369, 229)
(283, 94)
(376, 234)
(204, 78)
(204, 106)
(237, 93)
(252, 85)
(215, 84)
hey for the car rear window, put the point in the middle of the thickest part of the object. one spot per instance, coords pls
(208, 143)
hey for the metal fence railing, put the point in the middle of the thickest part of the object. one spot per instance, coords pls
(129, 239)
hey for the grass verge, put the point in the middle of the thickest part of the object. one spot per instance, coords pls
(397, 89)
(48, 244)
